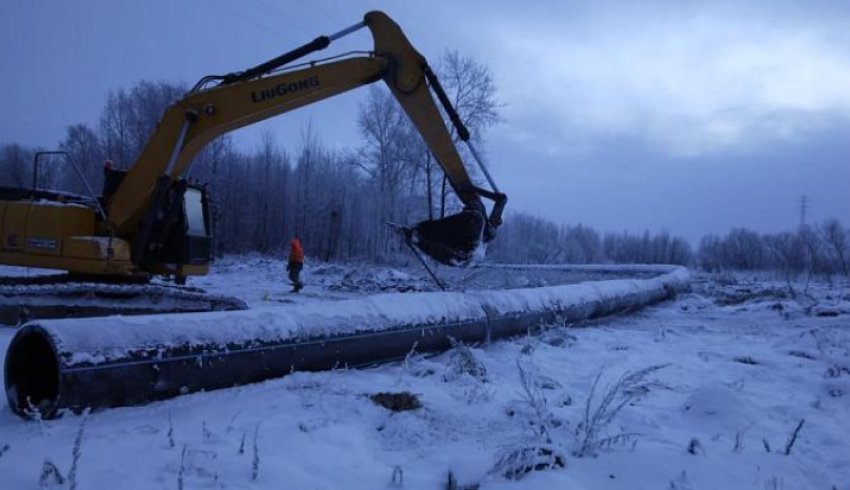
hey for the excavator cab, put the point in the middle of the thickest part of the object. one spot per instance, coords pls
(175, 236)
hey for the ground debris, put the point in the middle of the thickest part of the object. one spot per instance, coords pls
(396, 402)
(737, 295)
(746, 360)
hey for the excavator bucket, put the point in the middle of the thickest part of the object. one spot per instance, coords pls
(453, 240)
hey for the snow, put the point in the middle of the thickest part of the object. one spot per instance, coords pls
(115, 337)
(52, 203)
(320, 430)
(262, 280)
(103, 339)
(11, 271)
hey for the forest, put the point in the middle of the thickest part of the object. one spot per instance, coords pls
(339, 201)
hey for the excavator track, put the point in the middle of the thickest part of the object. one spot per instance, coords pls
(61, 296)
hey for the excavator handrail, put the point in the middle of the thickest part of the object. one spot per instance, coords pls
(92, 198)
(321, 61)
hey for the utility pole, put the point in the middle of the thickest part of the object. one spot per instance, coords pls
(804, 208)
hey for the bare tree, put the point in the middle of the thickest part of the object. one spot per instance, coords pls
(16, 165)
(530, 239)
(835, 237)
(129, 118)
(268, 192)
(815, 260)
(209, 167)
(85, 150)
(743, 249)
(788, 253)
(472, 90)
(114, 127)
(385, 155)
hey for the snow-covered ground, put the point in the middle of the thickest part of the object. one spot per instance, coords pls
(263, 281)
(720, 379)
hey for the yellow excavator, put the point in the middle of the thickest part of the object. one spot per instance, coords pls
(151, 221)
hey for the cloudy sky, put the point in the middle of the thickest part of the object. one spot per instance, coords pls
(694, 117)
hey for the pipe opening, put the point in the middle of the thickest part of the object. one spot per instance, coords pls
(32, 374)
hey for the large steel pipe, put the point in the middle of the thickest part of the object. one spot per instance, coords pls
(116, 361)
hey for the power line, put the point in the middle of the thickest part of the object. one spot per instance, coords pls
(804, 208)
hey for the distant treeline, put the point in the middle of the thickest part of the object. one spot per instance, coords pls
(811, 249)
(338, 201)
(528, 239)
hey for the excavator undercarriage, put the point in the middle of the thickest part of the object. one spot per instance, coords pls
(70, 296)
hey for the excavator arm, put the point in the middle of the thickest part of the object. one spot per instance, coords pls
(142, 203)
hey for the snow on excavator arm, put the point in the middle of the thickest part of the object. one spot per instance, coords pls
(238, 99)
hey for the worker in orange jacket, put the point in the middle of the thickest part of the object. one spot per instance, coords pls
(296, 263)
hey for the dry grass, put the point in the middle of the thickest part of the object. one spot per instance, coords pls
(599, 415)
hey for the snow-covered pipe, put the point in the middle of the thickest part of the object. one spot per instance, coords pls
(117, 361)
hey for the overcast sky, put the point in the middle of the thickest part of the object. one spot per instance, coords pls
(693, 117)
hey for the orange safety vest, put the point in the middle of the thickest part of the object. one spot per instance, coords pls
(297, 253)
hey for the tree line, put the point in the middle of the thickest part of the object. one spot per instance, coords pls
(525, 238)
(338, 201)
(818, 249)
(822, 249)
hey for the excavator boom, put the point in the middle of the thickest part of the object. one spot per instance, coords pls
(151, 221)
(243, 98)
(192, 122)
